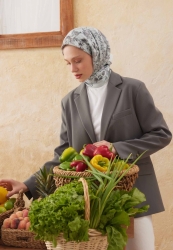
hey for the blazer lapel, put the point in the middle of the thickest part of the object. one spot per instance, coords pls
(113, 93)
(82, 104)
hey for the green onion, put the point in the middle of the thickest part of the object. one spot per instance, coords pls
(107, 182)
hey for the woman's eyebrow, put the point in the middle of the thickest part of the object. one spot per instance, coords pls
(72, 58)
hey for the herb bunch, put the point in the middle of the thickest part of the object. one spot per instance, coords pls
(111, 209)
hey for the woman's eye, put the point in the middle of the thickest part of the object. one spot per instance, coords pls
(74, 62)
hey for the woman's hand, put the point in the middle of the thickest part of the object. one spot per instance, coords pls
(106, 143)
(12, 186)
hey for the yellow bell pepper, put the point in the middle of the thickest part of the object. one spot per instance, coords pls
(121, 164)
(100, 163)
(81, 152)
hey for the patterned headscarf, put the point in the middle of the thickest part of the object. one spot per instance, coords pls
(93, 42)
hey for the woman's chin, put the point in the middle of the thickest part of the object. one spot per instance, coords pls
(81, 80)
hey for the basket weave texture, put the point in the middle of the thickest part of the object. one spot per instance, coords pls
(126, 183)
(21, 238)
(97, 241)
(18, 204)
(18, 237)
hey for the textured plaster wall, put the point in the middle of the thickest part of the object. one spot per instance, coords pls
(33, 81)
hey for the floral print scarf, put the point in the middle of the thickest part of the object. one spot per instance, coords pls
(93, 42)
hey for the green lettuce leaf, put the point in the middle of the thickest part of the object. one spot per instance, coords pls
(115, 238)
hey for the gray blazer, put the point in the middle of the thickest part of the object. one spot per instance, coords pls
(130, 121)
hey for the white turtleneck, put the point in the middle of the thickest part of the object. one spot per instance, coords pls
(96, 98)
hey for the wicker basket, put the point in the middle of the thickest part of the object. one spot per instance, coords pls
(97, 241)
(18, 204)
(19, 237)
(126, 183)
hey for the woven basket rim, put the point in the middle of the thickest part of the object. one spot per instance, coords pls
(56, 170)
(16, 230)
(61, 172)
(6, 212)
(91, 232)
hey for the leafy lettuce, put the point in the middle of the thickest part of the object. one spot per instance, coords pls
(60, 212)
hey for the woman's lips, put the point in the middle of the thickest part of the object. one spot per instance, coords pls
(78, 76)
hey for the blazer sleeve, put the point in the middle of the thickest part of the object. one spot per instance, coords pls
(31, 181)
(156, 133)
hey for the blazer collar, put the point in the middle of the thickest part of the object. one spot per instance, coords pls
(82, 105)
(113, 93)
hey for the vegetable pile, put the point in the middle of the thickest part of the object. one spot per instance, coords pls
(99, 158)
(110, 209)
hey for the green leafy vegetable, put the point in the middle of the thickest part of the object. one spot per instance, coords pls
(61, 212)
(116, 238)
(110, 209)
(116, 216)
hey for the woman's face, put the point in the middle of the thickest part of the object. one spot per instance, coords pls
(79, 62)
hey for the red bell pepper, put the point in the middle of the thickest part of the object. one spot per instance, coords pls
(89, 150)
(105, 152)
(79, 165)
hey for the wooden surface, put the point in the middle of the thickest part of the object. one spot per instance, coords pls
(130, 232)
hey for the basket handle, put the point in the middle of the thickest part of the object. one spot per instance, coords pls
(19, 200)
(86, 198)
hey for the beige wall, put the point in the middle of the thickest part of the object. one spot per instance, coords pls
(33, 81)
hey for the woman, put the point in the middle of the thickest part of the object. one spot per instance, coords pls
(108, 108)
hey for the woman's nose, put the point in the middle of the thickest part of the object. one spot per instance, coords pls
(73, 68)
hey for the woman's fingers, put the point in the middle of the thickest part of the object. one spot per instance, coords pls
(106, 143)
(16, 188)
(11, 193)
(4, 181)
(6, 184)
(13, 186)
(100, 143)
